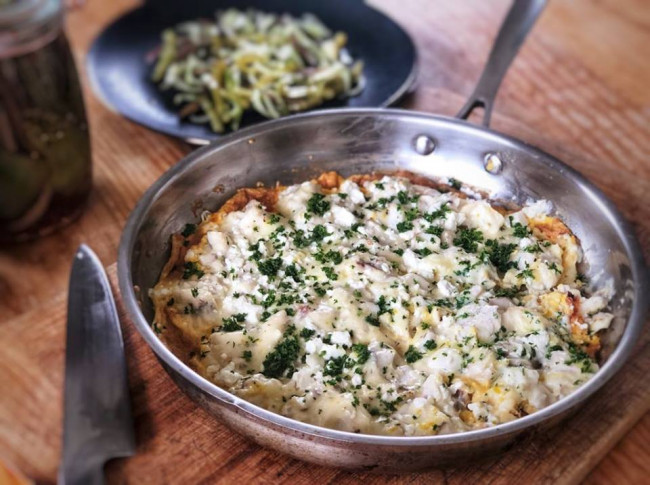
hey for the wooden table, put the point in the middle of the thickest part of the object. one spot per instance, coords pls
(578, 89)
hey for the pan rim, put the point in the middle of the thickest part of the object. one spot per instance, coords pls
(617, 359)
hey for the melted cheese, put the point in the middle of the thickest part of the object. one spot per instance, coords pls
(386, 307)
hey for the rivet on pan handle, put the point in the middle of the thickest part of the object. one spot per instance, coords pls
(515, 28)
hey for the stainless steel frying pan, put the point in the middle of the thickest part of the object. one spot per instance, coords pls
(295, 149)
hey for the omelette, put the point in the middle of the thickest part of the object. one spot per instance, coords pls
(382, 304)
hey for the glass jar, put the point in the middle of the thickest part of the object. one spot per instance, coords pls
(45, 162)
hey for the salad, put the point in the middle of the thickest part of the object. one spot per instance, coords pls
(240, 61)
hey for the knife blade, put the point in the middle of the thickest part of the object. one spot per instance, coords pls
(97, 421)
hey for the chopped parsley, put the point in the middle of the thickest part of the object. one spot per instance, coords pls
(232, 323)
(363, 354)
(404, 226)
(526, 273)
(330, 273)
(438, 213)
(518, 229)
(334, 367)
(270, 267)
(411, 214)
(443, 302)
(280, 361)
(269, 299)
(507, 292)
(412, 354)
(579, 356)
(294, 271)
(435, 230)
(552, 349)
(461, 301)
(331, 256)
(430, 344)
(191, 268)
(553, 267)
(317, 204)
(307, 333)
(533, 248)
(499, 255)
(319, 233)
(255, 249)
(468, 238)
(403, 197)
(383, 305)
(423, 252)
(349, 233)
(373, 320)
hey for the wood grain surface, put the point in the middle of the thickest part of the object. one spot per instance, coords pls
(578, 89)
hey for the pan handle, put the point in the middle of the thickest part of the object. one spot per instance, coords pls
(515, 27)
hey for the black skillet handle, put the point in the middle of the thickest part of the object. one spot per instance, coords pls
(515, 28)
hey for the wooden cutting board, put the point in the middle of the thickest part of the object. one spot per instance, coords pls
(180, 443)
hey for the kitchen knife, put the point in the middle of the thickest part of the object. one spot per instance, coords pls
(97, 423)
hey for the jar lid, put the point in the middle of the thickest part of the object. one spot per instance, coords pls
(27, 25)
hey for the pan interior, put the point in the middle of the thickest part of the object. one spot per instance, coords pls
(296, 149)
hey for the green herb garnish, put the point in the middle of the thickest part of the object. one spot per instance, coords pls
(317, 204)
(192, 268)
(334, 367)
(307, 333)
(279, 362)
(518, 229)
(232, 323)
(468, 238)
(270, 267)
(404, 226)
(430, 344)
(499, 255)
(373, 320)
(412, 355)
(363, 354)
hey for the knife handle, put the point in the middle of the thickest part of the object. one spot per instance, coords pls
(89, 473)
